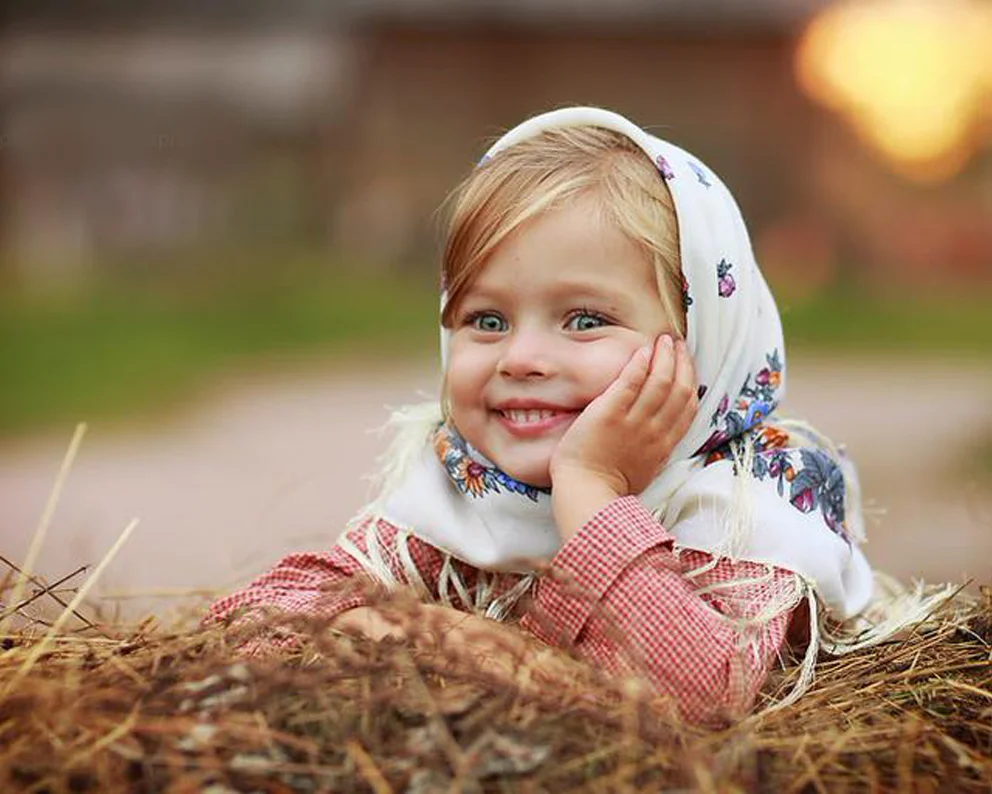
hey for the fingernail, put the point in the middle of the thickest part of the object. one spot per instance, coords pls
(666, 341)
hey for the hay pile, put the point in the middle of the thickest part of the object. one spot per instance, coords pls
(151, 711)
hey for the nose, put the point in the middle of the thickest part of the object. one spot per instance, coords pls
(526, 354)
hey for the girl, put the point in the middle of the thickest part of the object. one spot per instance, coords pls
(605, 466)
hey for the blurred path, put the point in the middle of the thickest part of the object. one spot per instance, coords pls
(266, 467)
(911, 427)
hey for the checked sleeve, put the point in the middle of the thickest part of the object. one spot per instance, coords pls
(703, 632)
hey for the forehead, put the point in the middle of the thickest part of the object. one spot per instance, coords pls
(573, 248)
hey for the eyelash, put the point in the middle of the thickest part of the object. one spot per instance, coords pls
(583, 312)
(472, 318)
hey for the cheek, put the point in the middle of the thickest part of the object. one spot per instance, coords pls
(601, 364)
(468, 372)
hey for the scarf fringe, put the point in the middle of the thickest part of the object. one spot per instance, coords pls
(486, 603)
(410, 428)
(893, 611)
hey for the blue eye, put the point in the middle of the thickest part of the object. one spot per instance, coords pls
(488, 322)
(586, 321)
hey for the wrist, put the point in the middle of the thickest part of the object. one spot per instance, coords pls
(577, 495)
(573, 477)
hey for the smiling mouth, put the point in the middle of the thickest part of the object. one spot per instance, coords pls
(533, 422)
(531, 416)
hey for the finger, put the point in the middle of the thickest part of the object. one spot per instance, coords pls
(685, 388)
(681, 423)
(684, 420)
(684, 384)
(659, 381)
(682, 390)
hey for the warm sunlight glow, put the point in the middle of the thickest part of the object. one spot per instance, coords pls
(913, 77)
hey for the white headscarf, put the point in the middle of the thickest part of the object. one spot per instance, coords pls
(730, 488)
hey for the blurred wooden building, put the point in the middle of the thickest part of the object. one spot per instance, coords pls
(344, 124)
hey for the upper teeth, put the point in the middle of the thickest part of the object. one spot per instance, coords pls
(528, 416)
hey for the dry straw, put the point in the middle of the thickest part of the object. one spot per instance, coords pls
(314, 709)
(41, 531)
(289, 704)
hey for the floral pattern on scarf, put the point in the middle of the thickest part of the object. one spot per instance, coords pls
(814, 479)
(700, 173)
(755, 401)
(470, 476)
(726, 286)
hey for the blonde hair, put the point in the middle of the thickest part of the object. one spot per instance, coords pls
(548, 171)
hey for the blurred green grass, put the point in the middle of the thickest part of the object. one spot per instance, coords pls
(859, 322)
(128, 352)
(131, 351)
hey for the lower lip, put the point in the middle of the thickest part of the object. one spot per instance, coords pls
(539, 428)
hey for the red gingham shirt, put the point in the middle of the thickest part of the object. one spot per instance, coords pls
(617, 595)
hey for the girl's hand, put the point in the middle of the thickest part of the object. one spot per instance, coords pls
(623, 438)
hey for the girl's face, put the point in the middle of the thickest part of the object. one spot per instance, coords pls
(547, 325)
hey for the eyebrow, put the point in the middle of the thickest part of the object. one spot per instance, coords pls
(616, 300)
(602, 291)
(594, 290)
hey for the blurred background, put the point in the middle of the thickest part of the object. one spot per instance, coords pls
(219, 238)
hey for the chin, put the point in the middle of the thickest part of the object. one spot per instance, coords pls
(538, 476)
(529, 466)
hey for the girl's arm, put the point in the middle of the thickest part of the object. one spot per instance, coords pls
(327, 585)
(321, 584)
(633, 605)
(619, 596)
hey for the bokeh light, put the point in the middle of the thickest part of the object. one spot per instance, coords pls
(913, 77)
